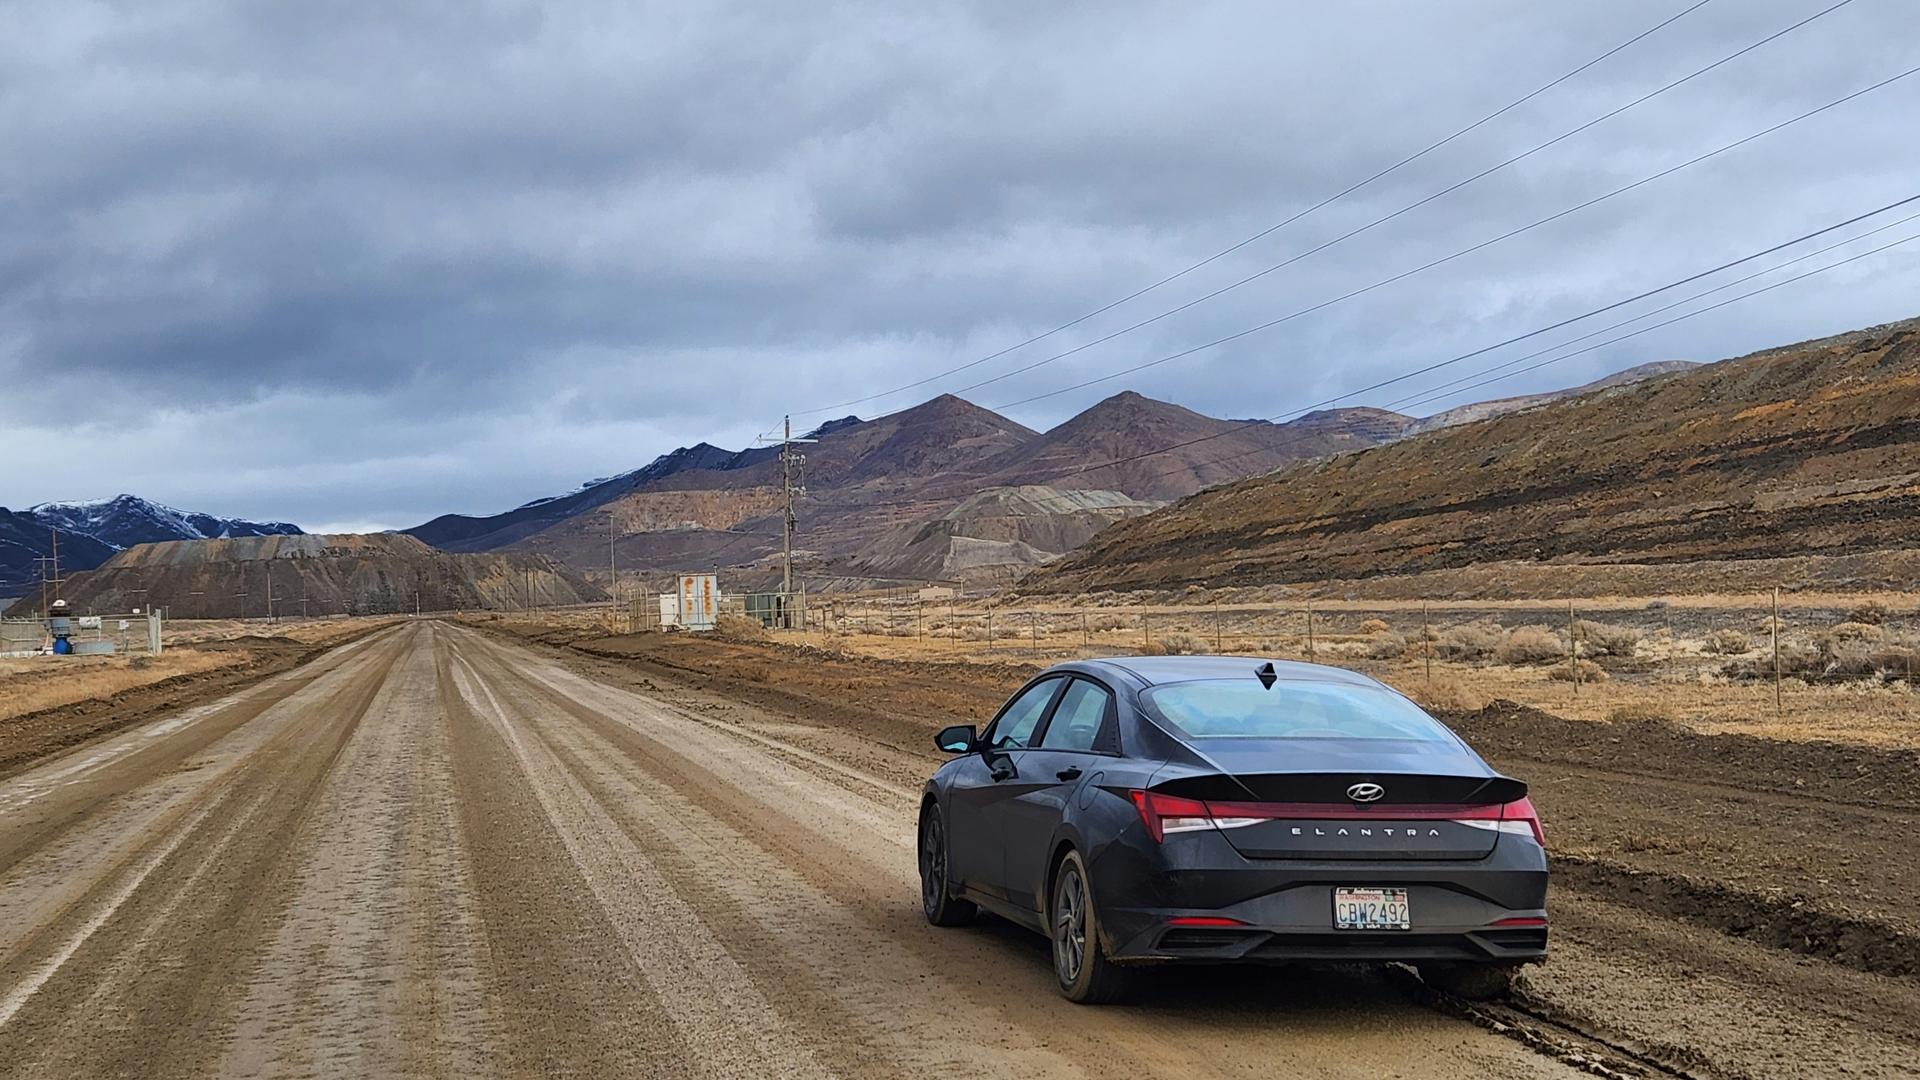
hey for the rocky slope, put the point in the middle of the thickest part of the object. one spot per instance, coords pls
(994, 536)
(334, 574)
(1811, 449)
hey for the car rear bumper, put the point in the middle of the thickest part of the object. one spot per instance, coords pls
(1487, 910)
(1495, 945)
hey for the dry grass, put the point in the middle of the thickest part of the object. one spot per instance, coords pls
(1446, 693)
(1678, 674)
(46, 682)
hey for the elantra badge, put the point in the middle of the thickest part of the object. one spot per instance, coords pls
(1366, 792)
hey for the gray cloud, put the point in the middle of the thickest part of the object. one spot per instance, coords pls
(353, 262)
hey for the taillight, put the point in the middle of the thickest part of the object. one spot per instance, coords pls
(1518, 818)
(1163, 814)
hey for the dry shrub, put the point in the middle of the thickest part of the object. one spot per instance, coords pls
(1101, 624)
(1604, 639)
(1178, 644)
(745, 627)
(1855, 631)
(1389, 647)
(1590, 672)
(1531, 645)
(1445, 693)
(1373, 626)
(1646, 712)
(1468, 641)
(1727, 642)
(1873, 613)
(1898, 660)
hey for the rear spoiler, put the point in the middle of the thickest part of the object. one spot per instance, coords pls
(1400, 789)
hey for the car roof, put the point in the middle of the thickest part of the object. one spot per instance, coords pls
(1157, 670)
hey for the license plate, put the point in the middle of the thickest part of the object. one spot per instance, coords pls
(1371, 909)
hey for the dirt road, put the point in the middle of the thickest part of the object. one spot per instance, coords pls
(433, 853)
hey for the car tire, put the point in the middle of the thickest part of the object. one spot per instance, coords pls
(1080, 965)
(1475, 982)
(942, 908)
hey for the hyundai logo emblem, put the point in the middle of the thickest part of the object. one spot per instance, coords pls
(1366, 792)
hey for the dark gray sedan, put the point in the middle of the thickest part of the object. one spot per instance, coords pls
(1233, 810)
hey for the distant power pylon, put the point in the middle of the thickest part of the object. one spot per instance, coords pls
(793, 484)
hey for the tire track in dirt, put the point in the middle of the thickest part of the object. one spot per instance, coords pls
(372, 971)
(147, 988)
(42, 804)
(724, 1023)
(564, 996)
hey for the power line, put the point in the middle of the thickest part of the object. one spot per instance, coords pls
(1441, 390)
(1440, 364)
(1430, 393)
(1271, 229)
(1283, 264)
(1701, 311)
(1414, 399)
(1563, 136)
(1271, 323)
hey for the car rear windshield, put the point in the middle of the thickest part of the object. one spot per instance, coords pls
(1243, 709)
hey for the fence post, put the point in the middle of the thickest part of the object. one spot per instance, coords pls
(1426, 642)
(1086, 640)
(1216, 626)
(1146, 628)
(1773, 625)
(1309, 630)
(1033, 628)
(1573, 648)
(989, 627)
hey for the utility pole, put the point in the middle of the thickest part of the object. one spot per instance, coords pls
(613, 570)
(793, 484)
(268, 567)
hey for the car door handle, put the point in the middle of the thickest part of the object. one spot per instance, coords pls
(1071, 772)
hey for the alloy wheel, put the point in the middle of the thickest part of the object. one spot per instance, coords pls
(1070, 925)
(933, 862)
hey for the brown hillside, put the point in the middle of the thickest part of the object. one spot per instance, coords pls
(352, 574)
(1128, 424)
(1811, 449)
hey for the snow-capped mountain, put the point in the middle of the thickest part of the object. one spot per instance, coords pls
(126, 520)
(90, 533)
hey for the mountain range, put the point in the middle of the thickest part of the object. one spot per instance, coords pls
(91, 532)
(945, 490)
(873, 486)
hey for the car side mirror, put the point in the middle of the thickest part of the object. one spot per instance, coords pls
(957, 739)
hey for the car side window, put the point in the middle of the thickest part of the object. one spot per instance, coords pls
(1076, 723)
(1015, 727)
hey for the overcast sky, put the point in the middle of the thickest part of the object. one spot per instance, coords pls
(357, 264)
